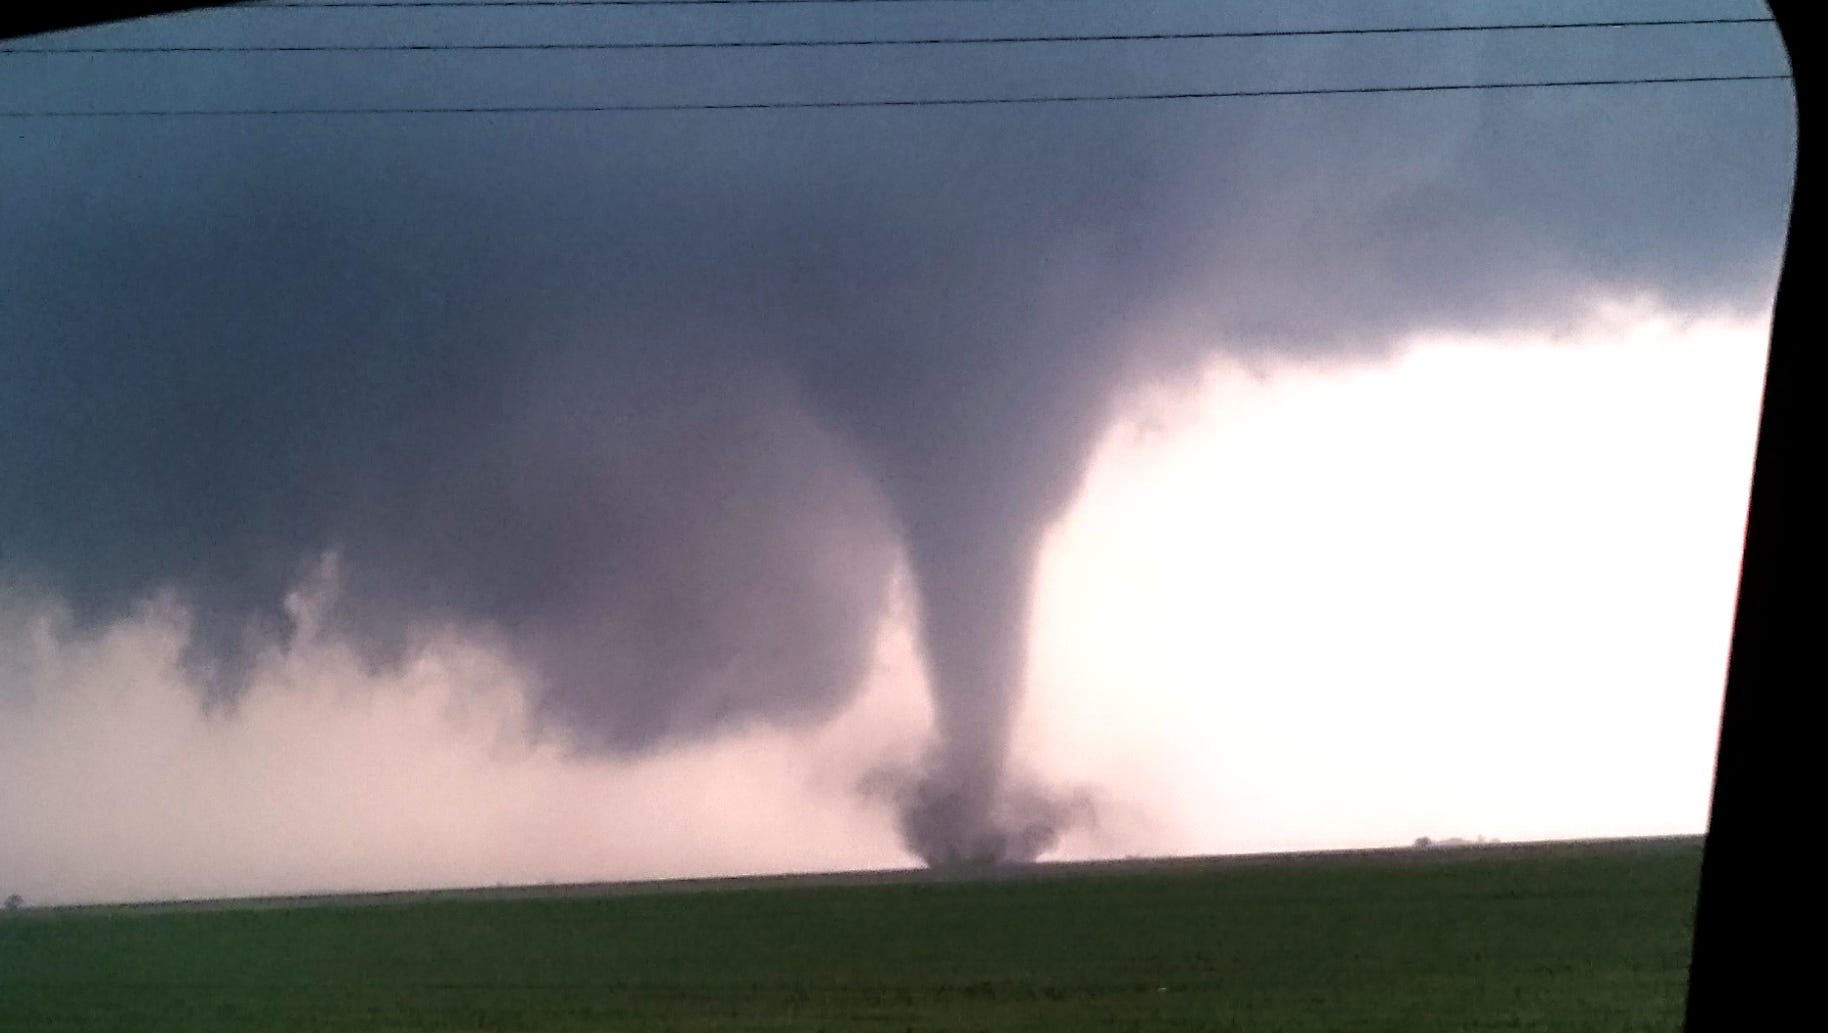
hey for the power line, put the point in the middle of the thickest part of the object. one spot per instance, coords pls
(923, 102)
(236, 48)
(373, 4)
(53, 25)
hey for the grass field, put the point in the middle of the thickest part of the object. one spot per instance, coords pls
(1567, 938)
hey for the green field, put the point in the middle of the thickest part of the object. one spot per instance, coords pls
(1568, 939)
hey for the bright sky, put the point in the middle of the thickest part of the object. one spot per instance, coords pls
(1482, 588)
(1485, 589)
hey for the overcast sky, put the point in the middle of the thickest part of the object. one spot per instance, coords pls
(456, 499)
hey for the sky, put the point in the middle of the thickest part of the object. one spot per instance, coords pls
(398, 501)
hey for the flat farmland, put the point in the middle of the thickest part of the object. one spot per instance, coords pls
(1564, 937)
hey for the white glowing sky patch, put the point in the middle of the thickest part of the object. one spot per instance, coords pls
(1484, 589)
(114, 784)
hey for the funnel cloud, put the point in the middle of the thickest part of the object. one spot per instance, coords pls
(660, 403)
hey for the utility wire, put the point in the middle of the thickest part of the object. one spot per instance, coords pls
(884, 103)
(373, 4)
(237, 48)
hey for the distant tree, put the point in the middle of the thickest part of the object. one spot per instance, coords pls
(15, 902)
(1424, 841)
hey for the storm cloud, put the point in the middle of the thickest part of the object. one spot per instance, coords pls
(659, 402)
